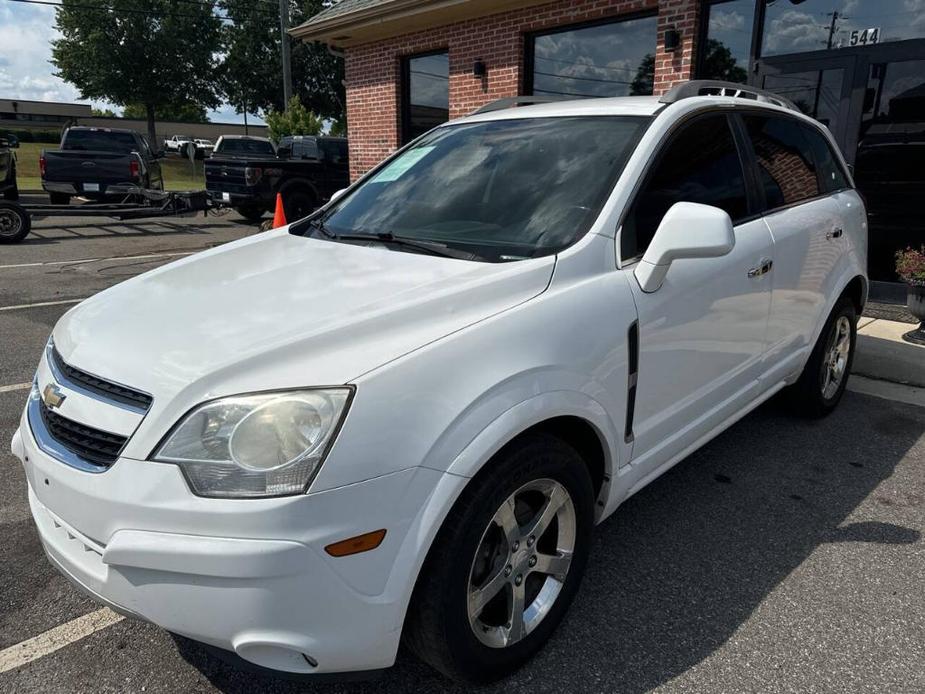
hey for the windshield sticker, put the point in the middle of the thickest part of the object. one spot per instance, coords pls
(397, 168)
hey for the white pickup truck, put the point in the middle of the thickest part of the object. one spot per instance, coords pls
(176, 142)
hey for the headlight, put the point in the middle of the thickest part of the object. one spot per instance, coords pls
(269, 444)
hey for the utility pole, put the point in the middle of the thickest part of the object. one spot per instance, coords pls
(287, 59)
(832, 28)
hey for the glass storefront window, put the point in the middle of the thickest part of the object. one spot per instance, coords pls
(426, 94)
(612, 59)
(799, 26)
(816, 93)
(728, 40)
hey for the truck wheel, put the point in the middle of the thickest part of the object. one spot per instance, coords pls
(825, 375)
(59, 198)
(12, 193)
(14, 222)
(298, 203)
(506, 563)
(253, 214)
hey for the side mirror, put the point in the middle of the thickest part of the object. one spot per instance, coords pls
(335, 195)
(688, 230)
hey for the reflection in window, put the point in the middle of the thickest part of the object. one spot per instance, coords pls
(426, 94)
(729, 37)
(785, 161)
(613, 59)
(797, 27)
(816, 93)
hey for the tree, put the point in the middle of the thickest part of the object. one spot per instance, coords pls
(295, 120)
(156, 53)
(644, 81)
(251, 73)
(190, 113)
(719, 63)
(103, 113)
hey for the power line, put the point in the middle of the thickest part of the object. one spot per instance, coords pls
(127, 10)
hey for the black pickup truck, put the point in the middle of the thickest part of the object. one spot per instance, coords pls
(306, 170)
(8, 167)
(91, 160)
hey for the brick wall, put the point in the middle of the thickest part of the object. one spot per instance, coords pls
(373, 69)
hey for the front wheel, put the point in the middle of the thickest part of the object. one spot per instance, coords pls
(506, 564)
(14, 222)
(825, 376)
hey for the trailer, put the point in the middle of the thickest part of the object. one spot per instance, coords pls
(137, 203)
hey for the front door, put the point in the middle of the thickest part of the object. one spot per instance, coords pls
(702, 335)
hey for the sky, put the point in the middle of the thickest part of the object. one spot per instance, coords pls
(26, 32)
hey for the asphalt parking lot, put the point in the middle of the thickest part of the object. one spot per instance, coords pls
(785, 556)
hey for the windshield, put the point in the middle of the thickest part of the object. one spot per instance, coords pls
(246, 147)
(99, 141)
(503, 190)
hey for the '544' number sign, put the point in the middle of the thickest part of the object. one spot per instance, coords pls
(864, 37)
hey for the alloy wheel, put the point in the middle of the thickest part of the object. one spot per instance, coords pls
(835, 362)
(521, 563)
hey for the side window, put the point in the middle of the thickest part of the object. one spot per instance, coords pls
(700, 164)
(831, 175)
(786, 166)
(310, 149)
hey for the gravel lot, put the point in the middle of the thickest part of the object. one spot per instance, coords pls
(785, 556)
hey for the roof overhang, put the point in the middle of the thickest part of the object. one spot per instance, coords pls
(397, 17)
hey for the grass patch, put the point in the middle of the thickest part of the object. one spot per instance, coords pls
(178, 173)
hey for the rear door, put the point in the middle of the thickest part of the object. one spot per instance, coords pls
(806, 198)
(702, 335)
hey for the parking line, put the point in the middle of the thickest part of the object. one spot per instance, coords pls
(43, 303)
(15, 386)
(96, 260)
(54, 639)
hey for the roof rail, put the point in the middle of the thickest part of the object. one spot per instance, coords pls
(686, 90)
(513, 101)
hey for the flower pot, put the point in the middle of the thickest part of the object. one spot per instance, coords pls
(915, 300)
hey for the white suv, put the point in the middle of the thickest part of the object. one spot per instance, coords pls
(401, 417)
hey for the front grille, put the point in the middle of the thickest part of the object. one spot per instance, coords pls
(91, 444)
(108, 389)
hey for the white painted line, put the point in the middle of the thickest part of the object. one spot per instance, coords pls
(59, 637)
(96, 260)
(43, 303)
(15, 386)
(887, 390)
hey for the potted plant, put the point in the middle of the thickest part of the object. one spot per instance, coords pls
(910, 266)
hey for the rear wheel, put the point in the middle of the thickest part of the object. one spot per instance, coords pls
(14, 223)
(825, 376)
(59, 198)
(298, 203)
(506, 563)
(254, 214)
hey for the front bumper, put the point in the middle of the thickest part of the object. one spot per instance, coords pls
(137, 540)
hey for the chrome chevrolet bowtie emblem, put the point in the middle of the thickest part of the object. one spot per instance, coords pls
(52, 396)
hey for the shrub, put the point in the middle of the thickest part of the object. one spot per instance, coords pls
(910, 266)
(295, 120)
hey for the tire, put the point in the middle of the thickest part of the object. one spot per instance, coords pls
(59, 198)
(12, 193)
(825, 376)
(253, 214)
(473, 552)
(15, 222)
(298, 203)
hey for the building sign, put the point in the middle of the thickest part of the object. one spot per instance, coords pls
(865, 37)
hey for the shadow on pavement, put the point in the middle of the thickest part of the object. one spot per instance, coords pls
(685, 562)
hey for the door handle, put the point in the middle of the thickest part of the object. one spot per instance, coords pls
(834, 234)
(764, 267)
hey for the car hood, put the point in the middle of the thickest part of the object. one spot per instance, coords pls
(282, 311)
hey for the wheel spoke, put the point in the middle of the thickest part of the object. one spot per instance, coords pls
(515, 632)
(553, 564)
(479, 597)
(508, 522)
(553, 503)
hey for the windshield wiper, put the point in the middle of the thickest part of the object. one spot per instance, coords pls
(318, 223)
(387, 237)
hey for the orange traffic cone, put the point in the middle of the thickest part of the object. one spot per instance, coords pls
(279, 217)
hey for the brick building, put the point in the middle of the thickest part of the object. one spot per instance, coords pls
(857, 67)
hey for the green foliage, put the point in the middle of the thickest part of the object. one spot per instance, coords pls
(644, 81)
(157, 53)
(339, 128)
(188, 113)
(103, 113)
(719, 63)
(251, 74)
(295, 120)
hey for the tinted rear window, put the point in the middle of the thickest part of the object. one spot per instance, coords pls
(246, 147)
(100, 141)
(831, 175)
(786, 166)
